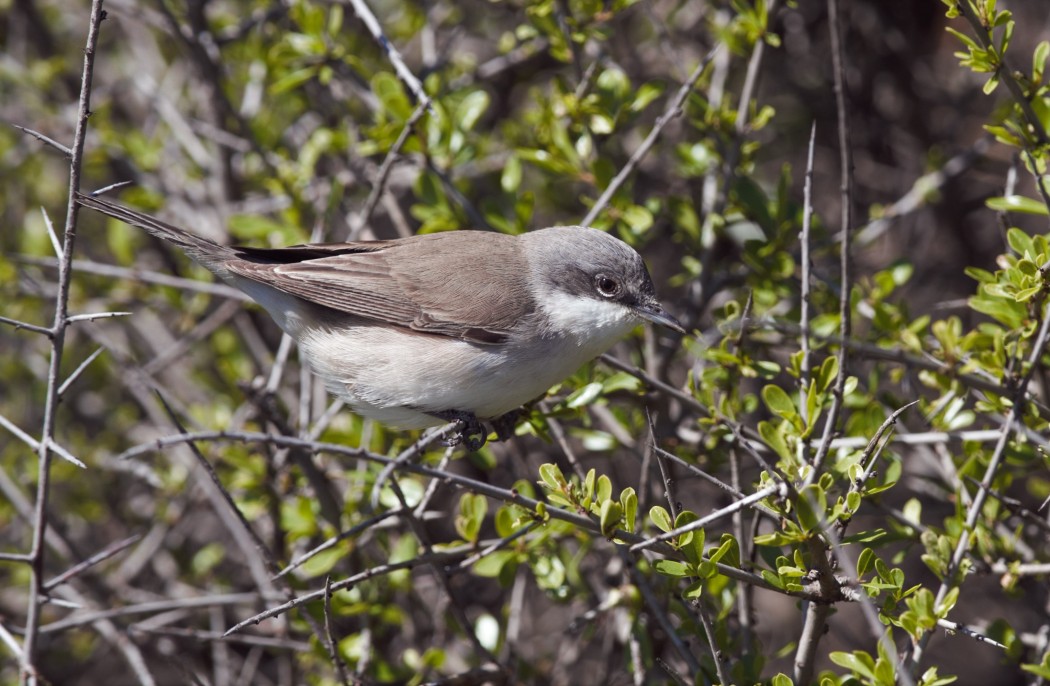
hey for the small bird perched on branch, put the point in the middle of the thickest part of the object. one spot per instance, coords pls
(454, 326)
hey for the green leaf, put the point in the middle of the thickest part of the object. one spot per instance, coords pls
(779, 402)
(609, 518)
(694, 590)
(510, 180)
(864, 561)
(584, 396)
(858, 662)
(604, 489)
(660, 518)
(492, 565)
(472, 510)
(1018, 203)
(471, 109)
(552, 477)
(1019, 241)
(673, 568)
(629, 503)
(811, 506)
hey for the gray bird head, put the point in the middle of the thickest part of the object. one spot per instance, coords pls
(589, 281)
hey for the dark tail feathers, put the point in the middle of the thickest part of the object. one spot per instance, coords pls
(209, 254)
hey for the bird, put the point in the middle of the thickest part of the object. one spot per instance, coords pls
(461, 325)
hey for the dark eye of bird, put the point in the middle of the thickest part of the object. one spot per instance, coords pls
(606, 286)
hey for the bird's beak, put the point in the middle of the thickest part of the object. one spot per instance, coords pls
(655, 313)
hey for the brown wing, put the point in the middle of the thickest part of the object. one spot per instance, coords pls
(430, 284)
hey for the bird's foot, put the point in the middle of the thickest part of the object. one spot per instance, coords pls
(505, 424)
(471, 434)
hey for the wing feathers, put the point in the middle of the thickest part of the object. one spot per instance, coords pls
(429, 284)
(463, 284)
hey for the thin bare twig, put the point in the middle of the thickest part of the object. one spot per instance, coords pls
(330, 643)
(804, 299)
(364, 12)
(65, 274)
(27, 326)
(776, 489)
(71, 379)
(973, 513)
(503, 494)
(674, 108)
(709, 632)
(817, 613)
(95, 559)
(846, 221)
(68, 152)
(379, 185)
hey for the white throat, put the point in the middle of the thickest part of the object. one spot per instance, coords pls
(594, 325)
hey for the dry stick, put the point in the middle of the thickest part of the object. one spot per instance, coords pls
(779, 489)
(868, 609)
(657, 610)
(653, 382)
(472, 213)
(1040, 181)
(558, 433)
(420, 510)
(28, 672)
(153, 607)
(1014, 505)
(134, 274)
(674, 108)
(432, 558)
(745, 596)
(695, 471)
(245, 526)
(716, 654)
(955, 627)
(846, 219)
(974, 512)
(95, 315)
(458, 613)
(473, 485)
(868, 457)
(203, 636)
(71, 379)
(186, 342)
(804, 304)
(497, 545)
(922, 189)
(384, 170)
(35, 445)
(27, 326)
(637, 663)
(330, 643)
(55, 243)
(410, 454)
(870, 351)
(8, 640)
(816, 614)
(666, 476)
(404, 73)
(342, 536)
(95, 559)
(68, 152)
(751, 78)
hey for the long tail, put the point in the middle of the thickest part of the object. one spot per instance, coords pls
(209, 254)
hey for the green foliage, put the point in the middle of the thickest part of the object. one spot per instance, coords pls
(257, 125)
